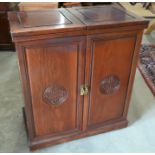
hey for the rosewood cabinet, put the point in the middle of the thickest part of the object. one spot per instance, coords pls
(77, 69)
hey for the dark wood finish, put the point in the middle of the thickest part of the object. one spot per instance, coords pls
(71, 24)
(4, 6)
(30, 19)
(109, 85)
(57, 55)
(5, 37)
(104, 16)
(106, 61)
(62, 69)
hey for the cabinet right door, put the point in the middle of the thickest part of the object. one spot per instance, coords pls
(108, 75)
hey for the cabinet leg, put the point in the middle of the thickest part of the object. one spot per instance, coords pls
(24, 117)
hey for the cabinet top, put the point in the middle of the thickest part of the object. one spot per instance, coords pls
(78, 19)
(105, 16)
(43, 22)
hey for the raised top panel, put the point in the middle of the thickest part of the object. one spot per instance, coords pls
(100, 14)
(38, 18)
(105, 16)
(45, 22)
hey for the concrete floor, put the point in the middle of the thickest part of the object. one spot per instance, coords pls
(139, 136)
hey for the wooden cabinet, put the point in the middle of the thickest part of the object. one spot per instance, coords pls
(77, 69)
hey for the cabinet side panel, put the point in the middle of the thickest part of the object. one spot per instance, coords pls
(53, 74)
(111, 65)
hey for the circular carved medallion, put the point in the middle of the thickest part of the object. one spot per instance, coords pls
(109, 84)
(55, 95)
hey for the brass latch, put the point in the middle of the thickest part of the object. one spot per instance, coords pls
(84, 90)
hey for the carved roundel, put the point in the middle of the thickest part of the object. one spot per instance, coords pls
(55, 95)
(109, 84)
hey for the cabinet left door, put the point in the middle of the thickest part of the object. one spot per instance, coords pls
(52, 72)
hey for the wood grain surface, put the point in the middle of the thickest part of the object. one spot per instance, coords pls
(63, 49)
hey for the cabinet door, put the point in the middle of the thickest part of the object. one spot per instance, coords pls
(110, 57)
(55, 71)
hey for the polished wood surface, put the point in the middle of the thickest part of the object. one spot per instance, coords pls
(58, 55)
(50, 22)
(30, 19)
(106, 61)
(93, 14)
(105, 16)
(60, 62)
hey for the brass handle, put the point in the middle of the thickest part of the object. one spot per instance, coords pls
(84, 90)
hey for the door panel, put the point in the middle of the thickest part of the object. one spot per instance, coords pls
(111, 60)
(55, 72)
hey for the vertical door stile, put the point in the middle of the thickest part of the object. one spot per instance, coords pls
(87, 82)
